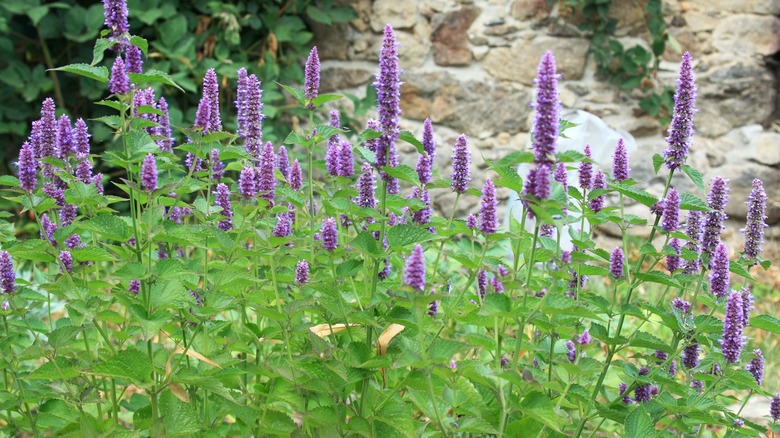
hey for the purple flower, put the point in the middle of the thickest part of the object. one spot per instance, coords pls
(414, 273)
(47, 229)
(487, 209)
(681, 126)
(296, 178)
(547, 105)
(571, 354)
(7, 274)
(756, 366)
(693, 231)
(283, 163)
(620, 167)
(283, 225)
(698, 385)
(28, 168)
(246, 182)
(503, 271)
(118, 83)
(719, 277)
(115, 18)
(373, 144)
(217, 167)
(584, 338)
(164, 130)
(585, 170)
(713, 219)
(423, 215)
(755, 222)
(250, 115)
(97, 181)
(74, 241)
(661, 356)
(133, 61)
(566, 257)
(542, 184)
(66, 260)
(673, 262)
(81, 138)
(561, 176)
(242, 100)
(774, 407)
(425, 163)
(346, 166)
(731, 344)
(546, 230)
(311, 83)
(329, 234)
(266, 180)
(658, 208)
(64, 137)
(366, 186)
(223, 200)
(497, 285)
(623, 390)
(211, 94)
(388, 92)
(332, 154)
(55, 193)
(504, 362)
(48, 130)
(747, 305)
(644, 391)
(671, 215)
(134, 287)
(471, 221)
(433, 307)
(461, 158)
(482, 282)
(84, 171)
(302, 272)
(149, 173)
(600, 182)
(67, 214)
(616, 262)
(673, 368)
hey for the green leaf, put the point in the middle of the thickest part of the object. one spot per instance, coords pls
(179, 418)
(109, 227)
(404, 173)
(154, 76)
(538, 406)
(405, 234)
(736, 268)
(639, 424)
(9, 180)
(646, 340)
(509, 178)
(766, 322)
(690, 202)
(657, 277)
(37, 13)
(99, 74)
(365, 242)
(349, 268)
(61, 336)
(368, 155)
(150, 326)
(297, 93)
(496, 305)
(101, 45)
(92, 254)
(694, 175)
(658, 161)
(514, 158)
(410, 138)
(571, 156)
(131, 365)
(638, 195)
(368, 134)
(323, 98)
(139, 42)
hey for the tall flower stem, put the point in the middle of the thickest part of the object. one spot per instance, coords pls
(449, 224)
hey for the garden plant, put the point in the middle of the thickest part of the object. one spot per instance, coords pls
(229, 286)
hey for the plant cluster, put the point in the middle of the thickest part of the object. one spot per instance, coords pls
(237, 287)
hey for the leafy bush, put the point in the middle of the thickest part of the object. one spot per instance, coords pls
(246, 291)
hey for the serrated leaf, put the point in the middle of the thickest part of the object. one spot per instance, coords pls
(658, 161)
(297, 93)
(324, 98)
(99, 74)
(638, 195)
(766, 322)
(509, 178)
(141, 43)
(92, 254)
(403, 235)
(690, 202)
(63, 335)
(496, 305)
(404, 173)
(179, 418)
(101, 45)
(694, 175)
(639, 424)
(571, 156)
(109, 227)
(736, 268)
(349, 268)
(410, 138)
(368, 134)
(539, 406)
(514, 158)
(155, 76)
(131, 365)
(646, 340)
(9, 180)
(657, 277)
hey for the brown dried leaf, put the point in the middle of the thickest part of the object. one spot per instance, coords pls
(387, 336)
(323, 330)
(179, 392)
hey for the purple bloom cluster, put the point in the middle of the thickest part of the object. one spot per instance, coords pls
(133, 59)
(755, 222)
(64, 137)
(388, 93)
(283, 163)
(674, 262)
(414, 273)
(747, 305)
(115, 18)
(433, 307)
(561, 176)
(332, 153)
(425, 162)
(246, 182)
(690, 354)
(119, 82)
(719, 277)
(620, 167)
(461, 158)
(584, 338)
(7, 274)
(623, 390)
(134, 287)
(217, 166)
(329, 232)
(547, 106)
(644, 391)
(250, 117)
(423, 215)
(671, 215)
(756, 366)
(731, 344)
(81, 139)
(600, 182)
(296, 177)
(713, 219)
(616, 263)
(207, 116)
(283, 225)
(47, 229)
(693, 231)
(774, 407)
(28, 168)
(302, 272)
(266, 180)
(366, 186)
(66, 261)
(471, 221)
(311, 85)
(487, 211)
(223, 200)
(164, 130)
(482, 282)
(149, 173)
(585, 170)
(571, 351)
(681, 305)
(681, 126)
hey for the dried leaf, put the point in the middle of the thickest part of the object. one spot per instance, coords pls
(191, 353)
(387, 336)
(179, 392)
(323, 330)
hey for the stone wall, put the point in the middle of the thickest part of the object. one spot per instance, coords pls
(469, 65)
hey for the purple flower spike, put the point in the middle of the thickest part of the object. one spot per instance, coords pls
(690, 354)
(266, 180)
(223, 200)
(731, 344)
(217, 166)
(585, 170)
(673, 368)
(620, 167)
(47, 229)
(115, 17)
(681, 127)
(119, 83)
(424, 164)
(246, 182)
(471, 221)
(616, 262)
(67, 214)
(461, 158)
(346, 166)
(332, 153)
(149, 173)
(482, 282)
(693, 231)
(66, 260)
(713, 219)
(756, 366)
(64, 137)
(81, 138)
(134, 287)
(311, 84)
(414, 273)
(774, 407)
(561, 176)
(48, 129)
(250, 117)
(584, 338)
(97, 181)
(433, 307)
(388, 92)
(373, 144)
(542, 183)
(366, 186)
(497, 285)
(28, 168)
(7, 274)
(487, 210)
(166, 142)
(283, 163)
(623, 390)
(330, 237)
(242, 100)
(302, 272)
(600, 182)
(547, 106)
(747, 305)
(661, 356)
(719, 277)
(755, 222)
(643, 392)
(673, 263)
(133, 59)
(571, 352)
(283, 225)
(671, 215)
(211, 94)
(296, 178)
